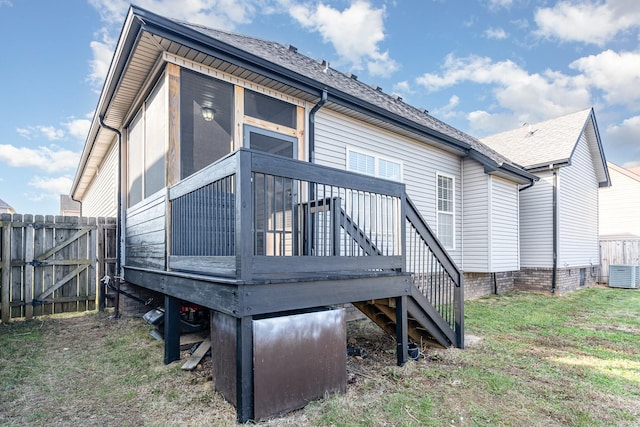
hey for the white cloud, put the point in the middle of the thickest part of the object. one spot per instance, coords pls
(448, 111)
(50, 132)
(49, 159)
(24, 132)
(495, 33)
(102, 53)
(617, 74)
(529, 97)
(594, 22)
(625, 137)
(355, 33)
(499, 4)
(78, 128)
(53, 186)
(403, 88)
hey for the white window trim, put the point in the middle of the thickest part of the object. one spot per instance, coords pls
(453, 213)
(377, 158)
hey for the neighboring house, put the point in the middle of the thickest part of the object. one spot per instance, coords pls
(253, 180)
(619, 204)
(6, 208)
(68, 206)
(619, 219)
(558, 215)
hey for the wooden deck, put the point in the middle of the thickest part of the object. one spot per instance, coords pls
(257, 234)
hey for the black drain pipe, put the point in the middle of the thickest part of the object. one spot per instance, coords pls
(119, 216)
(312, 125)
(555, 231)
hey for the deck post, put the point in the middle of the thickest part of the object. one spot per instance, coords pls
(402, 328)
(171, 329)
(459, 309)
(244, 369)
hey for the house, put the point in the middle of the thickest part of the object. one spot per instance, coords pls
(68, 206)
(619, 210)
(619, 204)
(262, 184)
(6, 208)
(558, 215)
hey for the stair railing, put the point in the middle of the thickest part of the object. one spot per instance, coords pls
(434, 273)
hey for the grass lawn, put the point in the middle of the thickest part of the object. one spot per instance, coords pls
(570, 360)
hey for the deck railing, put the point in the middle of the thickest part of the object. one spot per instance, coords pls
(291, 218)
(434, 273)
(254, 216)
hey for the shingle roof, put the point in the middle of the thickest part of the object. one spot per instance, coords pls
(289, 58)
(542, 143)
(5, 207)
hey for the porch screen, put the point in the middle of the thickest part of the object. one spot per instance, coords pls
(269, 109)
(206, 121)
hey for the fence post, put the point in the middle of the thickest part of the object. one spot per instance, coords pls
(6, 268)
(100, 230)
(28, 267)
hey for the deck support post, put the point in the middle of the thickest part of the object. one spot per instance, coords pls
(171, 329)
(244, 369)
(402, 330)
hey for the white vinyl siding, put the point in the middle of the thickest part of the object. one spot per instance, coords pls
(101, 197)
(578, 210)
(475, 218)
(335, 133)
(504, 254)
(619, 204)
(536, 223)
(491, 223)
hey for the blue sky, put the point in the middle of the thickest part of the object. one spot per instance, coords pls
(484, 67)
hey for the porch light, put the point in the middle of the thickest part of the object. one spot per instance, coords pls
(208, 114)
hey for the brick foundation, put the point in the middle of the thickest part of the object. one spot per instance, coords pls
(480, 284)
(535, 279)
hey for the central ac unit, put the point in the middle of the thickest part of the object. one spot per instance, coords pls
(624, 276)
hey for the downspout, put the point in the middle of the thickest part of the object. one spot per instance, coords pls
(555, 230)
(312, 125)
(312, 148)
(119, 216)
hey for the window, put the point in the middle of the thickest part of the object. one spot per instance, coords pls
(374, 166)
(445, 206)
(206, 121)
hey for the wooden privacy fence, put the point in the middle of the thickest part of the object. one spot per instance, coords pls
(52, 264)
(616, 252)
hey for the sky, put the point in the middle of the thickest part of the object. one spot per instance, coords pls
(482, 66)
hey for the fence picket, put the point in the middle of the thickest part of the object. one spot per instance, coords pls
(28, 268)
(5, 291)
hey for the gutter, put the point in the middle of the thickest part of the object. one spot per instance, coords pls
(119, 210)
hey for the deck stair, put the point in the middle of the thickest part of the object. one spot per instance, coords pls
(435, 307)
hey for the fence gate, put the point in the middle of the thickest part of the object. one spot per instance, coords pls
(52, 264)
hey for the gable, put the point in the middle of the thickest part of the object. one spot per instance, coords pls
(552, 143)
